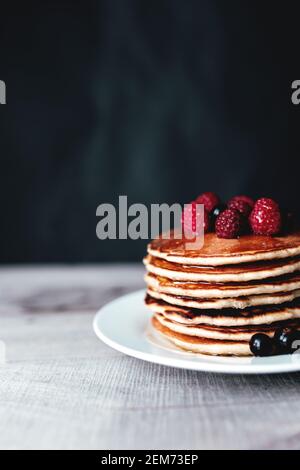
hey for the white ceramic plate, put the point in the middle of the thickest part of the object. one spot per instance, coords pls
(124, 325)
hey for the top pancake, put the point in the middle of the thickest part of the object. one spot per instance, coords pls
(218, 251)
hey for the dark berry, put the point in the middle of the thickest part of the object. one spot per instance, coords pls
(287, 339)
(218, 209)
(209, 200)
(265, 218)
(261, 345)
(229, 224)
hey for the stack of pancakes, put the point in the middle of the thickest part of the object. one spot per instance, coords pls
(213, 300)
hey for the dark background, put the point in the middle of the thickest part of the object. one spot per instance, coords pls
(158, 100)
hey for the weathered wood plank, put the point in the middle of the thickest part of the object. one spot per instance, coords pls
(62, 388)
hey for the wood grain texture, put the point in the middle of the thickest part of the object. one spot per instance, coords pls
(61, 388)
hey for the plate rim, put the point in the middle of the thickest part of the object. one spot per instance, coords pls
(184, 363)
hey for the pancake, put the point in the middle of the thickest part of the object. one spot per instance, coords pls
(203, 345)
(235, 333)
(219, 252)
(206, 290)
(213, 299)
(231, 302)
(229, 273)
(226, 317)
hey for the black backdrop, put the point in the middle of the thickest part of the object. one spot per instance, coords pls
(159, 100)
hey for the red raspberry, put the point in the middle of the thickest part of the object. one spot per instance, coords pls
(265, 218)
(229, 224)
(243, 198)
(243, 207)
(209, 200)
(189, 218)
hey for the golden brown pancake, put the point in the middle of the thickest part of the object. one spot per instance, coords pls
(227, 333)
(243, 272)
(219, 252)
(203, 345)
(234, 302)
(206, 290)
(226, 317)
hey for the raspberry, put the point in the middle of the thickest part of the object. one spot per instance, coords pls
(267, 203)
(229, 224)
(246, 199)
(209, 200)
(241, 206)
(189, 218)
(265, 218)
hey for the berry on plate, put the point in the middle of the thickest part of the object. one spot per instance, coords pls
(261, 345)
(287, 340)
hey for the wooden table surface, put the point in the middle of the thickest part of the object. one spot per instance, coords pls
(61, 388)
